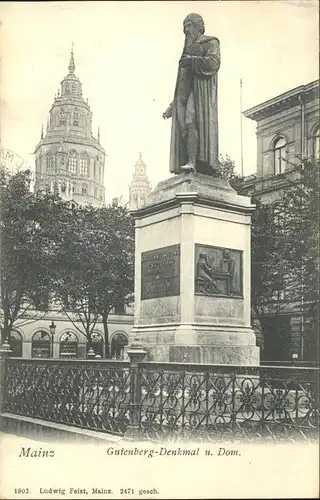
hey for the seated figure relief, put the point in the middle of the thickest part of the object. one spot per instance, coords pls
(218, 272)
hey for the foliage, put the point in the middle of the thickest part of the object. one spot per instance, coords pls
(29, 233)
(52, 254)
(228, 173)
(268, 263)
(285, 244)
(95, 265)
(301, 226)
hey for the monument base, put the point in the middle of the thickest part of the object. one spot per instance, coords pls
(192, 222)
(193, 344)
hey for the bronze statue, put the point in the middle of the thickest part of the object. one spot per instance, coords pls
(194, 110)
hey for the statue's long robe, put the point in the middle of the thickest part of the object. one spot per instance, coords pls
(204, 86)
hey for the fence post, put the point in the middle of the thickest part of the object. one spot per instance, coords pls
(136, 353)
(5, 352)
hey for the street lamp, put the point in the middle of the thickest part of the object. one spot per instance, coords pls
(52, 329)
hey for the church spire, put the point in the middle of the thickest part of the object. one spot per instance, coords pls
(99, 135)
(42, 132)
(72, 66)
(140, 165)
(140, 186)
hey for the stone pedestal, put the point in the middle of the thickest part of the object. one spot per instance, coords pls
(180, 317)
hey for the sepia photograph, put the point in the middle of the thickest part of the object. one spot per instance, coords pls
(159, 249)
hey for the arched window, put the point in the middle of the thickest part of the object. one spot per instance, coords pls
(63, 118)
(279, 156)
(68, 345)
(84, 162)
(50, 164)
(84, 189)
(75, 120)
(96, 343)
(74, 88)
(316, 144)
(63, 187)
(118, 342)
(95, 168)
(67, 88)
(72, 163)
(15, 341)
(41, 345)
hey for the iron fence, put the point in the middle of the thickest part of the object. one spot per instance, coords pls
(167, 401)
(228, 402)
(87, 394)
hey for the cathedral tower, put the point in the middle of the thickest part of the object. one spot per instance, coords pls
(69, 159)
(140, 186)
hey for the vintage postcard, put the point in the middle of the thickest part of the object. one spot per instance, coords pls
(159, 249)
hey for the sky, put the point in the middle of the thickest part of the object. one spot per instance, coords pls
(126, 56)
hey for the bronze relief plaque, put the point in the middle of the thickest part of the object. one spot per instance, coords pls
(160, 272)
(218, 271)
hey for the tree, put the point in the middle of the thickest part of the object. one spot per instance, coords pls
(271, 276)
(96, 266)
(29, 230)
(227, 171)
(284, 245)
(300, 205)
(285, 264)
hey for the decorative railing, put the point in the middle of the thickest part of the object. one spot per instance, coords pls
(228, 402)
(167, 401)
(88, 394)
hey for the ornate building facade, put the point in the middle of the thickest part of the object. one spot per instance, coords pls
(69, 159)
(287, 129)
(140, 186)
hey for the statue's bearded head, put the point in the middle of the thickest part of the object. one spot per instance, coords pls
(193, 27)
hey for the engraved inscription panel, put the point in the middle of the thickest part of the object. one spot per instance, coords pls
(218, 271)
(160, 272)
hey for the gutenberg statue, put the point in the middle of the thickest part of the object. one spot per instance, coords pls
(194, 110)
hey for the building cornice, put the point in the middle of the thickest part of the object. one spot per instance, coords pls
(284, 101)
(70, 101)
(73, 140)
(272, 183)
